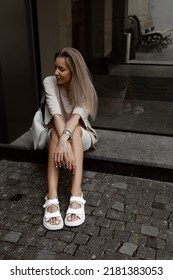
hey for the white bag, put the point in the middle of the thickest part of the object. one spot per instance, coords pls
(39, 131)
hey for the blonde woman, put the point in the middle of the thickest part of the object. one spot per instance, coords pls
(70, 100)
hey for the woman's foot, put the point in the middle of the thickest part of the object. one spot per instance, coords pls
(52, 209)
(52, 219)
(75, 215)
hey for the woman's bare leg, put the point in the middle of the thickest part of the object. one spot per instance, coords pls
(76, 189)
(53, 175)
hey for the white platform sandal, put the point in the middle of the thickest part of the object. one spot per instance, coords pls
(48, 215)
(79, 212)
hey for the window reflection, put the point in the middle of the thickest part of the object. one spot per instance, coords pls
(150, 23)
(137, 95)
(143, 104)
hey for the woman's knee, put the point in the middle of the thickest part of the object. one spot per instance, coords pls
(77, 133)
(53, 135)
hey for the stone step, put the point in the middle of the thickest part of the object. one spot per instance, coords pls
(123, 153)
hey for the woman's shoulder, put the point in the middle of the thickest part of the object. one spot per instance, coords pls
(49, 80)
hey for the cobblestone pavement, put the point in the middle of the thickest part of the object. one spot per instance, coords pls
(126, 218)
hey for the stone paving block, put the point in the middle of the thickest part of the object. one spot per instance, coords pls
(96, 254)
(171, 226)
(70, 248)
(144, 209)
(100, 187)
(149, 230)
(160, 223)
(2, 256)
(122, 236)
(100, 211)
(160, 214)
(161, 244)
(120, 185)
(158, 205)
(67, 236)
(58, 246)
(19, 252)
(92, 230)
(117, 198)
(144, 253)
(169, 207)
(31, 253)
(13, 236)
(129, 217)
(96, 242)
(64, 256)
(132, 227)
(39, 230)
(107, 199)
(28, 239)
(164, 255)
(131, 199)
(128, 248)
(81, 238)
(36, 219)
(89, 210)
(131, 209)
(22, 227)
(141, 219)
(46, 255)
(44, 243)
(162, 199)
(110, 222)
(114, 256)
(115, 215)
(52, 234)
(111, 245)
(89, 174)
(166, 234)
(145, 203)
(151, 242)
(120, 225)
(94, 199)
(6, 248)
(79, 229)
(118, 206)
(90, 220)
(103, 222)
(138, 239)
(3, 233)
(88, 187)
(107, 232)
(169, 245)
(83, 253)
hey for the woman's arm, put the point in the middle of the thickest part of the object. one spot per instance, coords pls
(63, 152)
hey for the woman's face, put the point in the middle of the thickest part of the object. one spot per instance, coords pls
(62, 72)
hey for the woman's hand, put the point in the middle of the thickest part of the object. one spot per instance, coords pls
(64, 155)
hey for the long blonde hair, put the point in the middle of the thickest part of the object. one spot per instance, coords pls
(81, 86)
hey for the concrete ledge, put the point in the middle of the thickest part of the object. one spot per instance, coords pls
(134, 148)
(123, 153)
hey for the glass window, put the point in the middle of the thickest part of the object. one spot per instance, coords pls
(131, 59)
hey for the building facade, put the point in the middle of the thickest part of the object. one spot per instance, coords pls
(33, 30)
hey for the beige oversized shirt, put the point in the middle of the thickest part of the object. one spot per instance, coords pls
(57, 102)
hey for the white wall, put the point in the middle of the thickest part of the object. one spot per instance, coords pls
(138, 7)
(162, 13)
